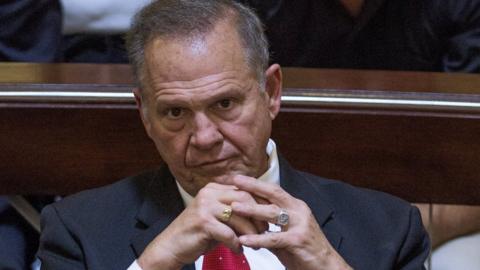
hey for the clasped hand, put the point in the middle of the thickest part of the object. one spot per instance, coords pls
(300, 245)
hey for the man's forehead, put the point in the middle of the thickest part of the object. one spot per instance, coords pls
(196, 56)
(162, 52)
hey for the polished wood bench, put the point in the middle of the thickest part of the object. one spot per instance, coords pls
(69, 127)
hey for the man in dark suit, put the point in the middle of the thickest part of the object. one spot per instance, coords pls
(207, 98)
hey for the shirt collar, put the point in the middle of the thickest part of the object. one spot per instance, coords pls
(272, 175)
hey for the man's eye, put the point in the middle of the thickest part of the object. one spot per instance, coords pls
(225, 104)
(174, 113)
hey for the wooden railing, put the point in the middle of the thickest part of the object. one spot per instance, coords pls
(68, 127)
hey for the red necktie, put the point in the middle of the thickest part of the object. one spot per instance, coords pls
(222, 258)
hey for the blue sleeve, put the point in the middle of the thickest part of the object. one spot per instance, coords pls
(463, 46)
(416, 246)
(58, 248)
(30, 30)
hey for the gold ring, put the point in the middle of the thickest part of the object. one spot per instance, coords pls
(226, 214)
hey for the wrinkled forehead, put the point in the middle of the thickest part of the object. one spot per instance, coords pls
(195, 56)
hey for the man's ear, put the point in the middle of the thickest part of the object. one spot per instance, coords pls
(141, 110)
(273, 88)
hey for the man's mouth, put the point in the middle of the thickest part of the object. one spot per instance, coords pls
(217, 162)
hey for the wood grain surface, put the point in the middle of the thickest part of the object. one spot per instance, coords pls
(68, 127)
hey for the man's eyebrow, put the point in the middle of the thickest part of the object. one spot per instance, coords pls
(175, 99)
(229, 92)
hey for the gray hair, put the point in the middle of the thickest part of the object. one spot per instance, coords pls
(172, 19)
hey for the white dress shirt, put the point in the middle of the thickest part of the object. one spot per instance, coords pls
(99, 16)
(261, 259)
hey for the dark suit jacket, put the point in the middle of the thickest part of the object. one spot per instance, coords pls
(109, 227)
(18, 240)
(30, 30)
(429, 35)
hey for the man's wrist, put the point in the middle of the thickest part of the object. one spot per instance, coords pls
(147, 262)
(340, 264)
(336, 262)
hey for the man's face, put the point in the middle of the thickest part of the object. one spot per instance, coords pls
(204, 109)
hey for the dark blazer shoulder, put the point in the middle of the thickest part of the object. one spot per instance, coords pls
(366, 208)
(93, 228)
(126, 192)
(341, 193)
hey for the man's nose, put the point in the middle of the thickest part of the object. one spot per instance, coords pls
(205, 133)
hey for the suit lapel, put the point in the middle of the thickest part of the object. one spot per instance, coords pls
(161, 205)
(315, 196)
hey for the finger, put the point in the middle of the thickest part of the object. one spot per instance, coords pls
(213, 202)
(260, 200)
(266, 240)
(233, 196)
(272, 192)
(218, 186)
(241, 225)
(221, 232)
(222, 193)
(229, 196)
(263, 212)
(261, 226)
(228, 181)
